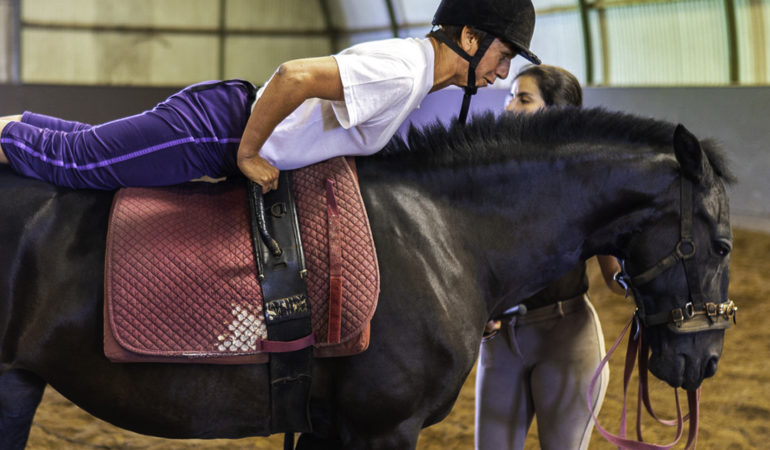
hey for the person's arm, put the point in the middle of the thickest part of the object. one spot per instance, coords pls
(293, 83)
(610, 266)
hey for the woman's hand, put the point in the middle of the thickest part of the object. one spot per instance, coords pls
(258, 170)
(491, 329)
(610, 266)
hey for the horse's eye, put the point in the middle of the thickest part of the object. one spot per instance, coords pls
(722, 247)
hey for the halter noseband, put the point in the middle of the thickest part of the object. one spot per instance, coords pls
(697, 314)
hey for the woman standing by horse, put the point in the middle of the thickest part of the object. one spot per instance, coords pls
(310, 110)
(540, 363)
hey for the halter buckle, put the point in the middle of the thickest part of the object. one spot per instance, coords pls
(728, 309)
(689, 309)
(677, 316)
(712, 310)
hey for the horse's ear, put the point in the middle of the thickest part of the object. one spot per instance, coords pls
(689, 153)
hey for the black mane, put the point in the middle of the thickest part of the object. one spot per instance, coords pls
(488, 138)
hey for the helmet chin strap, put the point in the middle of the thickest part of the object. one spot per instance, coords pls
(473, 62)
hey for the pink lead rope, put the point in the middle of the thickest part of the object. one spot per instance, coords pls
(635, 347)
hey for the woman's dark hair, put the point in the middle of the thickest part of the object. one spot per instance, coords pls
(557, 86)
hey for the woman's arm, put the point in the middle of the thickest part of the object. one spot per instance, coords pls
(610, 266)
(293, 83)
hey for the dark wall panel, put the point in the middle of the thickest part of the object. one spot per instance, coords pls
(89, 104)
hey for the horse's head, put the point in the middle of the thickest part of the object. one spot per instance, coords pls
(678, 270)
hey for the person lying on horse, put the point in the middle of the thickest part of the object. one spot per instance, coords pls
(310, 110)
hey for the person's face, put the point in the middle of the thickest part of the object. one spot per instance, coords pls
(526, 96)
(495, 63)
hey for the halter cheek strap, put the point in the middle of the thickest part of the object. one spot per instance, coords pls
(473, 62)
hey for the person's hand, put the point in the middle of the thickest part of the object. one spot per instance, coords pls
(258, 170)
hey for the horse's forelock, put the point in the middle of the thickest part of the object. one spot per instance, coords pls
(718, 160)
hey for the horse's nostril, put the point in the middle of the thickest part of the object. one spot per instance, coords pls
(711, 367)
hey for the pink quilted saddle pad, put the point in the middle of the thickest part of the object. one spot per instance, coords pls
(181, 282)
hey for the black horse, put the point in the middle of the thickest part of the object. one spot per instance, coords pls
(467, 222)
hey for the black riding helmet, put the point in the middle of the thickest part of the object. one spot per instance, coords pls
(511, 21)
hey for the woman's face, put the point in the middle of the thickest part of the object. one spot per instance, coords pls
(526, 96)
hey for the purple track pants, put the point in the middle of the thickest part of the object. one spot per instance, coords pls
(194, 132)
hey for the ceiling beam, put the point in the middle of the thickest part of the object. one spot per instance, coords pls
(392, 15)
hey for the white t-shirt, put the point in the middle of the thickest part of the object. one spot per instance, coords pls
(383, 81)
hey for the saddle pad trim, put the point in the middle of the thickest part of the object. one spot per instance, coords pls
(335, 264)
(362, 332)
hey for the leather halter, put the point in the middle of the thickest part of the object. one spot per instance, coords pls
(698, 314)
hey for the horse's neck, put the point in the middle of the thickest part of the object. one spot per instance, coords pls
(557, 214)
(566, 213)
(523, 223)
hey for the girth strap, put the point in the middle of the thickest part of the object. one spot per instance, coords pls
(287, 308)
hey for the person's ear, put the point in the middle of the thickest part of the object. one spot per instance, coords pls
(468, 39)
